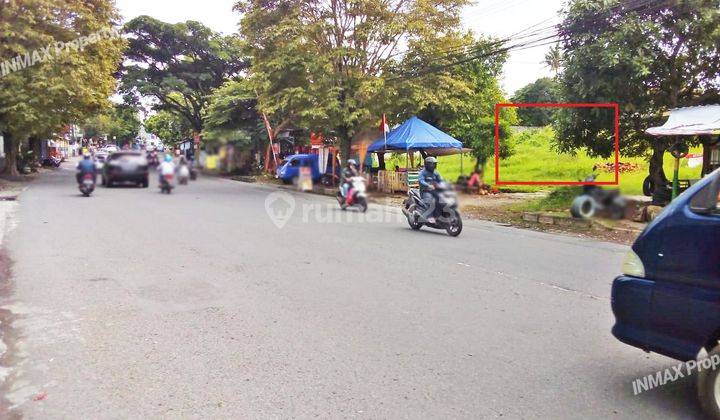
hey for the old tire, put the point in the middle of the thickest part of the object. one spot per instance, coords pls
(363, 205)
(708, 387)
(583, 207)
(648, 187)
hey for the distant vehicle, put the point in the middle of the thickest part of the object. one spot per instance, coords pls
(100, 158)
(357, 195)
(111, 148)
(289, 171)
(668, 299)
(125, 166)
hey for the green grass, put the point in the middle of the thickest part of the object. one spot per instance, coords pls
(535, 160)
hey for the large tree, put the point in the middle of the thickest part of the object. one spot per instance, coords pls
(462, 97)
(648, 57)
(543, 90)
(232, 116)
(60, 82)
(169, 127)
(326, 65)
(120, 122)
(178, 65)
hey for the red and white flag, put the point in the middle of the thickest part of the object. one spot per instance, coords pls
(384, 125)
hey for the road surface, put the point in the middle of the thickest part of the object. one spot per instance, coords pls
(133, 304)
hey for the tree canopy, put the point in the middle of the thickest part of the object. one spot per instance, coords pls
(543, 90)
(121, 123)
(327, 65)
(178, 65)
(169, 127)
(74, 83)
(232, 116)
(646, 58)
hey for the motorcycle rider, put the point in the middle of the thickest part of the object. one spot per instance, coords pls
(86, 166)
(350, 171)
(428, 179)
(167, 167)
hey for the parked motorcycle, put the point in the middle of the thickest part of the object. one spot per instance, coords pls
(446, 213)
(596, 200)
(357, 195)
(166, 183)
(87, 184)
(52, 161)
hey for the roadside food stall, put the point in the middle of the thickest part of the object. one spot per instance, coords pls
(414, 135)
(696, 121)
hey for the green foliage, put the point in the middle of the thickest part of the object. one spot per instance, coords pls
(121, 122)
(647, 60)
(179, 65)
(536, 159)
(554, 59)
(543, 90)
(328, 66)
(169, 127)
(232, 117)
(41, 99)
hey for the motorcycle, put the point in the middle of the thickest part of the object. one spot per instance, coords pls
(357, 195)
(152, 159)
(87, 185)
(595, 199)
(53, 161)
(166, 183)
(183, 175)
(446, 213)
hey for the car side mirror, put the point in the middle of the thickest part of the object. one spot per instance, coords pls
(705, 201)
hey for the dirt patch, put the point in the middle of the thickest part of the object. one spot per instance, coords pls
(500, 208)
(624, 232)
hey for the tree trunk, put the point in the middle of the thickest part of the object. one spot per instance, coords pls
(381, 161)
(343, 135)
(657, 173)
(11, 156)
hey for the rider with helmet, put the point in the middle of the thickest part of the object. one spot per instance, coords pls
(350, 171)
(428, 179)
(167, 167)
(86, 166)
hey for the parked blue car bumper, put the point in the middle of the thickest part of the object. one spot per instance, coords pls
(662, 317)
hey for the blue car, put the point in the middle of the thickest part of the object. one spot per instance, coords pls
(290, 170)
(668, 300)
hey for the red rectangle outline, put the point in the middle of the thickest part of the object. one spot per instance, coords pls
(615, 106)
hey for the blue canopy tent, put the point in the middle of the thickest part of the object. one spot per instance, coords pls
(416, 135)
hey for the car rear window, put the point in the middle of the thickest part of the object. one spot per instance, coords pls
(129, 157)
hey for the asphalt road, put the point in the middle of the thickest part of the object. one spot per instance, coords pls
(133, 304)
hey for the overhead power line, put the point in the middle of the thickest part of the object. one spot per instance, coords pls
(530, 37)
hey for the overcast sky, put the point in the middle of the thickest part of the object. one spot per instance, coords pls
(492, 17)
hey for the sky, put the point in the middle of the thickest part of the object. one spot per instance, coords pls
(498, 18)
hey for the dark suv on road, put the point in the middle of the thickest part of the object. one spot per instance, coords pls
(125, 166)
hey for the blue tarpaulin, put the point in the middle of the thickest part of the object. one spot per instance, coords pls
(415, 134)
